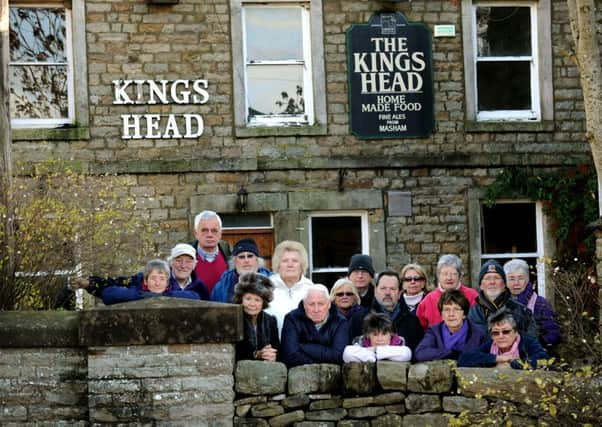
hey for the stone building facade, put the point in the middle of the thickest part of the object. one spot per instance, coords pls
(307, 176)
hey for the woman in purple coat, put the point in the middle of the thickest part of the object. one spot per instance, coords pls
(452, 336)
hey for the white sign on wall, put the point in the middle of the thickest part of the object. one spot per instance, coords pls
(161, 92)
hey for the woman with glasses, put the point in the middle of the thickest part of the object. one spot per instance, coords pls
(347, 300)
(455, 334)
(245, 259)
(413, 282)
(506, 348)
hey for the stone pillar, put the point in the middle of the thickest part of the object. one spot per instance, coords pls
(161, 360)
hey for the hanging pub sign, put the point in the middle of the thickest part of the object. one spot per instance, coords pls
(390, 78)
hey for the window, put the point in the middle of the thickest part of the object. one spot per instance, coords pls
(279, 70)
(334, 238)
(508, 60)
(41, 67)
(514, 230)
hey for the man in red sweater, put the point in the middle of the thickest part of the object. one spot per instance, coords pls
(211, 252)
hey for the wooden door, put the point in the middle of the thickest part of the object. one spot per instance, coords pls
(264, 237)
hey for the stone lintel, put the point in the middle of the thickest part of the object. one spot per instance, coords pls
(161, 320)
(39, 329)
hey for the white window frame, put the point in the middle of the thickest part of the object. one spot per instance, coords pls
(541, 63)
(539, 253)
(365, 229)
(50, 123)
(307, 117)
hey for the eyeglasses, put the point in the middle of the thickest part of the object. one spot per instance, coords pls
(413, 279)
(502, 332)
(243, 256)
(343, 294)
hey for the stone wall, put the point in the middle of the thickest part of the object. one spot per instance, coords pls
(177, 368)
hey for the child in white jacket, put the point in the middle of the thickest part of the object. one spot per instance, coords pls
(378, 342)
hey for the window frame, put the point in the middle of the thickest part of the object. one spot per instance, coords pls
(364, 229)
(77, 126)
(541, 70)
(314, 78)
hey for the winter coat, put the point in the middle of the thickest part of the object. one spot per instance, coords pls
(195, 285)
(479, 313)
(266, 333)
(224, 289)
(530, 350)
(545, 318)
(286, 299)
(405, 324)
(428, 309)
(356, 319)
(368, 298)
(432, 346)
(114, 294)
(303, 343)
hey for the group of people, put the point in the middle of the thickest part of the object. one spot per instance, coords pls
(364, 317)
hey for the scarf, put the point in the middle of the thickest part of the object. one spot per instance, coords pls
(450, 341)
(512, 352)
(413, 300)
(395, 340)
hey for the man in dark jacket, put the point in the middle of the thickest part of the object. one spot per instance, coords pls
(387, 299)
(315, 332)
(361, 273)
(494, 296)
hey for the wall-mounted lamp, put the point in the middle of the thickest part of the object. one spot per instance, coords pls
(241, 198)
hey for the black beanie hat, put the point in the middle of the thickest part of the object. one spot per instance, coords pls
(491, 266)
(245, 245)
(361, 262)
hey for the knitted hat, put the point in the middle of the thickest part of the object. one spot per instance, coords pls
(245, 245)
(182, 249)
(491, 266)
(361, 262)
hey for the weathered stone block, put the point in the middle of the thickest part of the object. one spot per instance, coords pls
(250, 422)
(287, 419)
(461, 403)
(295, 401)
(260, 377)
(389, 420)
(39, 329)
(359, 378)
(418, 403)
(389, 398)
(250, 400)
(325, 404)
(392, 375)
(431, 377)
(430, 420)
(358, 402)
(315, 424)
(321, 378)
(398, 408)
(269, 409)
(326, 415)
(367, 412)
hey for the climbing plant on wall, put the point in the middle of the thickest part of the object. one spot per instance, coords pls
(568, 196)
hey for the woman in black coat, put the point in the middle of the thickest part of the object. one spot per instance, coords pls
(260, 342)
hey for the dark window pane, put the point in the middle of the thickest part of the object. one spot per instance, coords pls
(509, 228)
(327, 279)
(504, 85)
(335, 240)
(37, 35)
(503, 31)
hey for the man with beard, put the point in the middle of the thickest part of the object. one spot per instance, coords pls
(387, 300)
(494, 296)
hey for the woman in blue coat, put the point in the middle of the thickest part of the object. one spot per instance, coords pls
(507, 348)
(315, 332)
(452, 336)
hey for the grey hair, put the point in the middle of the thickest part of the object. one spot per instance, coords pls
(345, 282)
(501, 316)
(156, 265)
(260, 262)
(290, 246)
(516, 265)
(450, 260)
(206, 215)
(316, 287)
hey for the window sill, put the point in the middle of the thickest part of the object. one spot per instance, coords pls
(44, 134)
(491, 126)
(259, 131)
